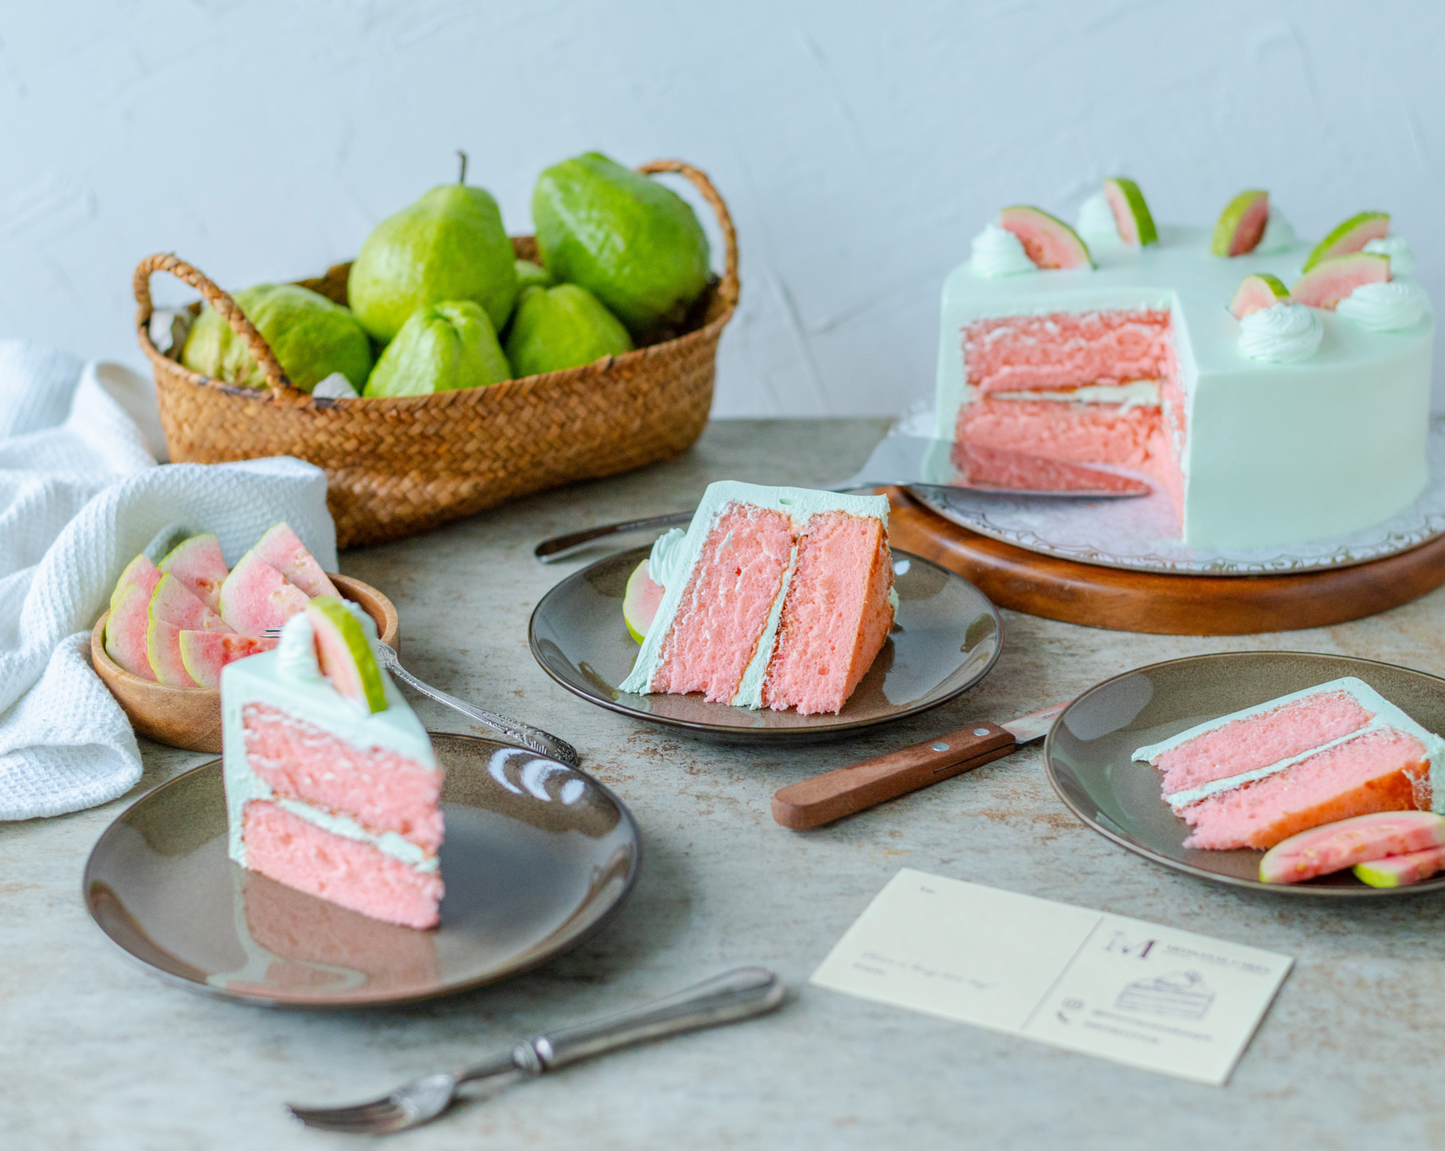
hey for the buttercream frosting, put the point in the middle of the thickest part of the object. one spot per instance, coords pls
(1402, 260)
(665, 556)
(296, 650)
(1278, 235)
(998, 252)
(1283, 334)
(1388, 307)
(1096, 223)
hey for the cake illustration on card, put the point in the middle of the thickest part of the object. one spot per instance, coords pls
(331, 784)
(1180, 994)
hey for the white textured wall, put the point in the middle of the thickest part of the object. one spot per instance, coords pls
(860, 145)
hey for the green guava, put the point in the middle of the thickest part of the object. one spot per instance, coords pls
(532, 275)
(562, 327)
(310, 336)
(634, 244)
(439, 349)
(449, 245)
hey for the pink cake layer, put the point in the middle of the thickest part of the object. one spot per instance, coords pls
(1258, 741)
(381, 789)
(725, 607)
(1066, 350)
(344, 871)
(836, 615)
(1382, 770)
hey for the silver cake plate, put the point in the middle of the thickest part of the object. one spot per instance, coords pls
(1142, 534)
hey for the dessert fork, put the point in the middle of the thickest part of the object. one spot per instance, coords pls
(532, 738)
(739, 994)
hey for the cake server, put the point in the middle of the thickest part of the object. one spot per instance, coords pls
(739, 994)
(916, 461)
(847, 790)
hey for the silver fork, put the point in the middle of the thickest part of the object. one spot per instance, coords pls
(533, 738)
(739, 994)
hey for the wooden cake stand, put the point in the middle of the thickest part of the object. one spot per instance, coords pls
(1162, 604)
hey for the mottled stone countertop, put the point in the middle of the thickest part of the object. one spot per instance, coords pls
(94, 1053)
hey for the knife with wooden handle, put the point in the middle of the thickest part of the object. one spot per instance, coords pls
(848, 790)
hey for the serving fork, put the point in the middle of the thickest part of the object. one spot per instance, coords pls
(532, 738)
(736, 995)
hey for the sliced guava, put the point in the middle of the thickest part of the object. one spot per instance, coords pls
(1048, 241)
(283, 550)
(1330, 281)
(1351, 236)
(205, 653)
(1336, 846)
(1241, 224)
(198, 563)
(1131, 213)
(256, 596)
(171, 602)
(163, 649)
(1401, 870)
(640, 601)
(345, 654)
(139, 571)
(125, 630)
(1257, 292)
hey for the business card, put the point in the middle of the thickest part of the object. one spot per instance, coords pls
(1122, 989)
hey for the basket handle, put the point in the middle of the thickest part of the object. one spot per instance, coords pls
(260, 350)
(729, 287)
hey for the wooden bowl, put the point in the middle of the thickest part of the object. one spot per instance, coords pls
(190, 717)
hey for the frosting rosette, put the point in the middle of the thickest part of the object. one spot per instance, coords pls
(1283, 334)
(1402, 260)
(1386, 307)
(1278, 233)
(998, 252)
(1096, 223)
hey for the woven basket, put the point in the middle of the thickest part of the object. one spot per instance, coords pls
(401, 465)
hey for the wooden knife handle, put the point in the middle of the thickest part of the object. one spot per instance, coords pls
(834, 794)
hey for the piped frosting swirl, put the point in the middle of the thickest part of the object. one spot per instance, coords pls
(998, 252)
(1278, 234)
(1386, 307)
(1402, 260)
(1096, 223)
(1283, 334)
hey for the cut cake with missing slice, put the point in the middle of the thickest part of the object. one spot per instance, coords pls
(773, 597)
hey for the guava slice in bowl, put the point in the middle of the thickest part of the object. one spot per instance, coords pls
(1351, 236)
(1131, 212)
(163, 650)
(1401, 870)
(282, 549)
(125, 630)
(205, 653)
(171, 602)
(1335, 846)
(1256, 292)
(1330, 281)
(1241, 224)
(198, 563)
(640, 601)
(139, 571)
(1047, 240)
(344, 653)
(256, 596)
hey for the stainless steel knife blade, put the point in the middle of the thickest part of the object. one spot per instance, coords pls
(1035, 725)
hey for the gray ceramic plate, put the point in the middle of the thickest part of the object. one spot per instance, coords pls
(537, 856)
(1087, 752)
(946, 637)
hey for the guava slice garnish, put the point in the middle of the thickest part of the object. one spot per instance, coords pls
(1330, 281)
(1351, 236)
(1256, 292)
(1131, 212)
(1241, 224)
(344, 653)
(640, 601)
(1401, 870)
(1335, 846)
(1047, 240)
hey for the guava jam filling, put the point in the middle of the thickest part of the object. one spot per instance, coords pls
(836, 615)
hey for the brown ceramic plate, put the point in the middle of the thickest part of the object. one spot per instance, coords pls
(1087, 753)
(190, 717)
(946, 637)
(537, 856)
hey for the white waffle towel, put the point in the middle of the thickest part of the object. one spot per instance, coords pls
(81, 494)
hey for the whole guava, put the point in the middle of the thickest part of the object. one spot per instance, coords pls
(531, 274)
(562, 327)
(449, 245)
(310, 336)
(439, 349)
(634, 244)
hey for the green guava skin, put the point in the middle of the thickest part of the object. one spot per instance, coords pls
(634, 244)
(441, 348)
(532, 275)
(562, 327)
(340, 636)
(449, 245)
(310, 336)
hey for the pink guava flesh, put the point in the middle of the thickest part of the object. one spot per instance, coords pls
(205, 653)
(1402, 870)
(200, 566)
(256, 597)
(1123, 214)
(1254, 295)
(1336, 846)
(641, 600)
(1250, 229)
(1374, 228)
(163, 649)
(283, 550)
(1330, 281)
(1049, 242)
(125, 631)
(139, 571)
(173, 603)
